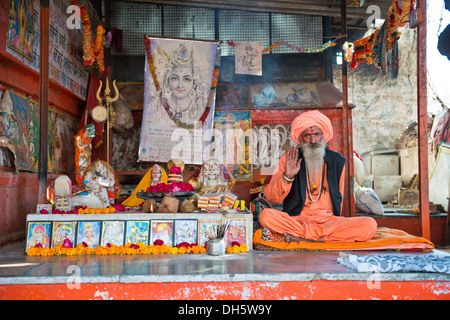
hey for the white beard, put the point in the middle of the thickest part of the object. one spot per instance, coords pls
(313, 154)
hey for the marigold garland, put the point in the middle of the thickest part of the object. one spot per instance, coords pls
(93, 56)
(88, 49)
(66, 249)
(98, 49)
(85, 210)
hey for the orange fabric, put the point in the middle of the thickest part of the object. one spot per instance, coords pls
(310, 119)
(313, 227)
(384, 239)
(316, 219)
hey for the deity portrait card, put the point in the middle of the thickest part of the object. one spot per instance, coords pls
(137, 231)
(89, 232)
(46, 207)
(38, 233)
(161, 230)
(185, 231)
(113, 232)
(63, 230)
(206, 230)
(237, 231)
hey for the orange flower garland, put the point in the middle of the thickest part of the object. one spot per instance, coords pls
(98, 49)
(127, 249)
(88, 50)
(93, 56)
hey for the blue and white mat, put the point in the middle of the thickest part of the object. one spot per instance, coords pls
(436, 263)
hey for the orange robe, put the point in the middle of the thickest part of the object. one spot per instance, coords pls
(316, 219)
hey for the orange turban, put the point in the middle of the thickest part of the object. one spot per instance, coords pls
(309, 119)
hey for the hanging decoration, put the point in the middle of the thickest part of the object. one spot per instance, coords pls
(93, 55)
(324, 47)
(181, 77)
(349, 49)
(383, 43)
(248, 58)
(299, 49)
(362, 51)
(164, 101)
(355, 3)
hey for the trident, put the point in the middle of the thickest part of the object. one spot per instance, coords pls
(108, 100)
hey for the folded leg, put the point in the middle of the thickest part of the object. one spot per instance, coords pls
(332, 228)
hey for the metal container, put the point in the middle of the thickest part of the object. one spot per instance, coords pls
(216, 246)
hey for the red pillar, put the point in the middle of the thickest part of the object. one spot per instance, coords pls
(349, 200)
(43, 100)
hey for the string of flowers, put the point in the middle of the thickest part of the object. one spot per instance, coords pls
(164, 102)
(85, 210)
(299, 49)
(158, 247)
(93, 56)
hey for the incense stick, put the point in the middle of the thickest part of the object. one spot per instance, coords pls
(221, 229)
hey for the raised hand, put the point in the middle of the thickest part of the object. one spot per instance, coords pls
(292, 163)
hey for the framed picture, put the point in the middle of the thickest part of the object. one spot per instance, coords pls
(185, 231)
(284, 95)
(137, 231)
(163, 230)
(232, 96)
(63, 230)
(113, 232)
(47, 207)
(21, 28)
(237, 231)
(235, 149)
(206, 230)
(38, 232)
(89, 232)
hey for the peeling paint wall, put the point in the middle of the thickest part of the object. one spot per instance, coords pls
(384, 106)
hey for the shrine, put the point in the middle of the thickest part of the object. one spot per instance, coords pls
(221, 150)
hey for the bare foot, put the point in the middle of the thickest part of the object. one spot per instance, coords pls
(290, 238)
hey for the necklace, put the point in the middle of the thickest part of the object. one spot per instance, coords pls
(308, 186)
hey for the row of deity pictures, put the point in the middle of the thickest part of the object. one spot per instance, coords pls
(120, 232)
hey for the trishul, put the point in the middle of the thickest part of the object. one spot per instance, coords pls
(108, 103)
(106, 95)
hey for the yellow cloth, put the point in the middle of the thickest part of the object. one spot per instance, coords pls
(133, 200)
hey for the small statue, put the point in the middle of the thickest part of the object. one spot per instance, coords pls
(155, 175)
(101, 184)
(83, 151)
(215, 177)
